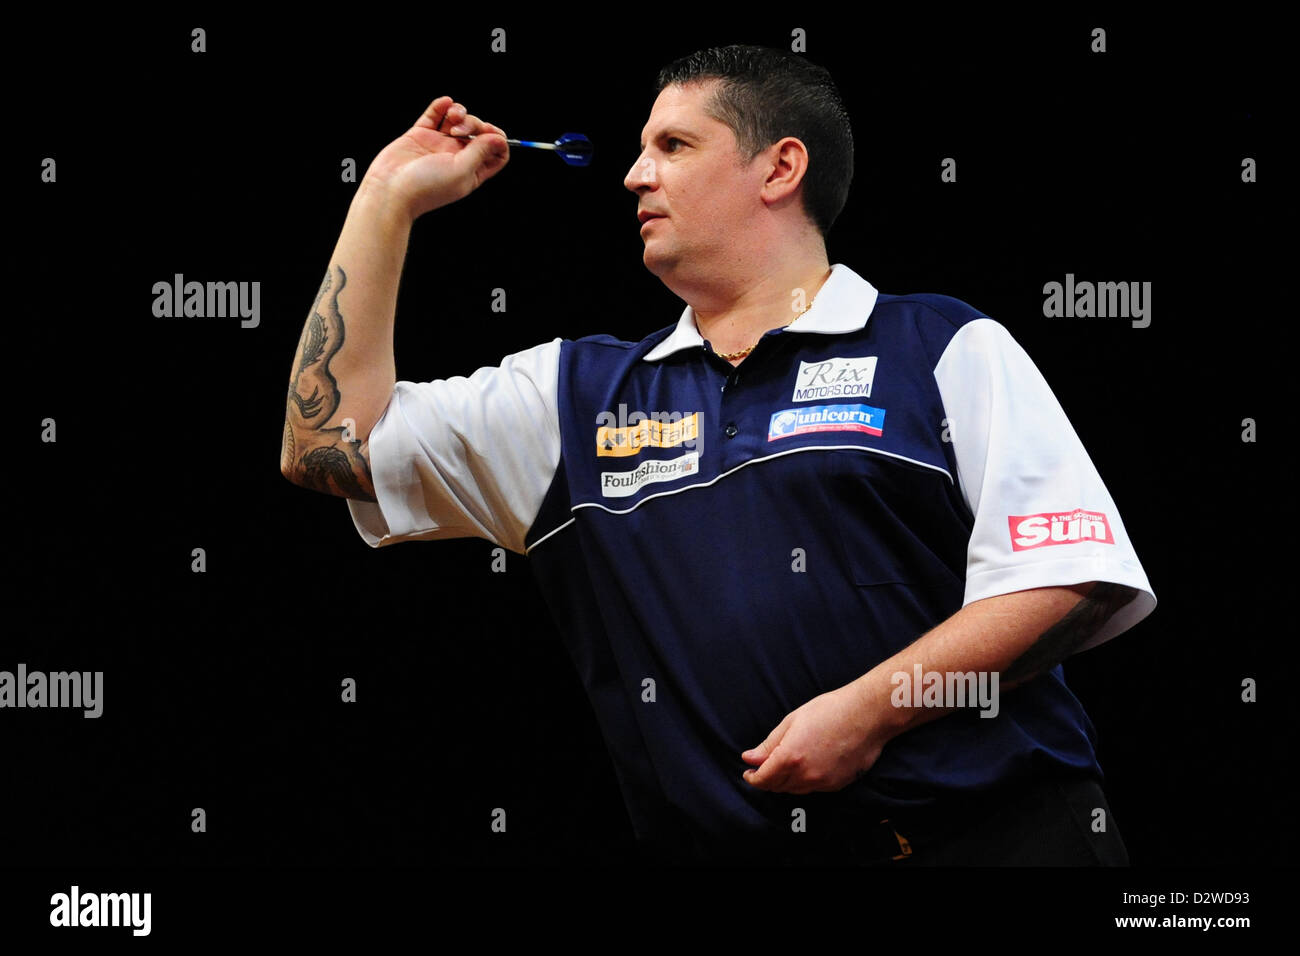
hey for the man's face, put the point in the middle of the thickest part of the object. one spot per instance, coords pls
(689, 173)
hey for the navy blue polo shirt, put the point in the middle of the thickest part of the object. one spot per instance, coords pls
(719, 544)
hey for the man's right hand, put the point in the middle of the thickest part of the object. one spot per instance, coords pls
(428, 166)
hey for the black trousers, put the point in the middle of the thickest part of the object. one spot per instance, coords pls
(1052, 822)
(1045, 821)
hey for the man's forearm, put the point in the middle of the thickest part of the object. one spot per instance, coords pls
(1019, 636)
(344, 367)
(837, 736)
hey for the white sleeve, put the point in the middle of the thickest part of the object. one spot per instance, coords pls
(1043, 517)
(465, 457)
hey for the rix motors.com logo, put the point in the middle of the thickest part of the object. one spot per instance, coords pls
(835, 378)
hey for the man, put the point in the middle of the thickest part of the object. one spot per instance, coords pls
(780, 538)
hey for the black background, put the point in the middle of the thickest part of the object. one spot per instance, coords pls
(222, 689)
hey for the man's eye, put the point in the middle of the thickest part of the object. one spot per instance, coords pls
(671, 140)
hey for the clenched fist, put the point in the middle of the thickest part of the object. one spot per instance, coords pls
(428, 166)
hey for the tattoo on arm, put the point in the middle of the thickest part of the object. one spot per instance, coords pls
(1061, 639)
(322, 458)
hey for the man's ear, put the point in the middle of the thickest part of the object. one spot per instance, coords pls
(788, 160)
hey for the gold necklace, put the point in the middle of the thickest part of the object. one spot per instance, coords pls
(728, 356)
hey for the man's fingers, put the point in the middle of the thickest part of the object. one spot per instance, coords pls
(772, 775)
(757, 754)
(470, 125)
(444, 115)
(773, 770)
(436, 113)
(489, 156)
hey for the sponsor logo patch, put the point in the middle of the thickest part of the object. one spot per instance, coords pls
(1063, 527)
(835, 378)
(620, 484)
(621, 442)
(826, 418)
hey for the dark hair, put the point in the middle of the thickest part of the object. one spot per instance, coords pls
(765, 95)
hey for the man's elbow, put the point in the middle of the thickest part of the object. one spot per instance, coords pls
(337, 468)
(1107, 593)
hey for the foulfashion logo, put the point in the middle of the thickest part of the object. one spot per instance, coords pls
(620, 484)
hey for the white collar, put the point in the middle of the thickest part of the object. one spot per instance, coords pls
(843, 304)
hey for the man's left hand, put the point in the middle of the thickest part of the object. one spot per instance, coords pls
(824, 745)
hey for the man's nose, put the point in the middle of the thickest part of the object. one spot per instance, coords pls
(642, 173)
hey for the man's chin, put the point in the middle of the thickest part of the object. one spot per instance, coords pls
(657, 263)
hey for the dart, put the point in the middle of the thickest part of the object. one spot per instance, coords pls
(573, 148)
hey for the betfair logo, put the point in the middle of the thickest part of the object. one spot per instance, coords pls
(616, 442)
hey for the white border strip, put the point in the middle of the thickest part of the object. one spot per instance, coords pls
(548, 534)
(705, 484)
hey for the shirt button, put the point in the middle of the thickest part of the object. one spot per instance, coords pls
(730, 430)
